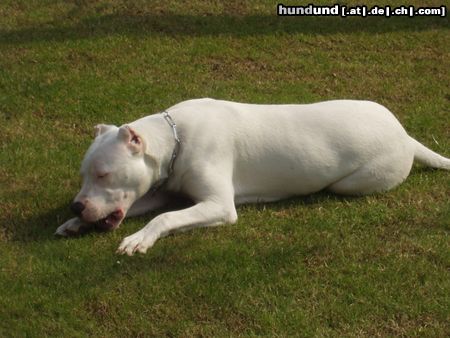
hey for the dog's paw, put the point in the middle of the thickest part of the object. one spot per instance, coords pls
(72, 227)
(141, 241)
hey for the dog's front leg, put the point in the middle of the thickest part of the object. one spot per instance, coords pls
(205, 213)
(148, 202)
(72, 227)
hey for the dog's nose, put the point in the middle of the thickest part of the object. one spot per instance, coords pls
(77, 208)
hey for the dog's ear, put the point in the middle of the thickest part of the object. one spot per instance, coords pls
(134, 140)
(103, 128)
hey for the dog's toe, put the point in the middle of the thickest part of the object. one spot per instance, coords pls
(138, 242)
(61, 233)
(72, 227)
(129, 245)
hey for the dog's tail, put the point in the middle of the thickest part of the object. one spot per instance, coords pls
(428, 157)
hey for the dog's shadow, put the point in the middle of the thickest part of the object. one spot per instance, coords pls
(41, 227)
(38, 227)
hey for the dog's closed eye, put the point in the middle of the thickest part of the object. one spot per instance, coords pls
(102, 175)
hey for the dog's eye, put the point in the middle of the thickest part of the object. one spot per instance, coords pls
(103, 175)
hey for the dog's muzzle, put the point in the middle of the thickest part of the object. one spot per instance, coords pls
(111, 221)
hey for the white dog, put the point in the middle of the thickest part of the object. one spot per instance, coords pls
(223, 153)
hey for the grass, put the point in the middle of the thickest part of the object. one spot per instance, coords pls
(315, 266)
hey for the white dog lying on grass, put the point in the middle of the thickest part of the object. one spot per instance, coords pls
(223, 153)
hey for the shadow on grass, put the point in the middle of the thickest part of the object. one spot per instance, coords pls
(320, 197)
(38, 227)
(42, 226)
(132, 24)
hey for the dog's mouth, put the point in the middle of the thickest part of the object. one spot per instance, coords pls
(111, 221)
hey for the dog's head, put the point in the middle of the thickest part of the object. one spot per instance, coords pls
(115, 172)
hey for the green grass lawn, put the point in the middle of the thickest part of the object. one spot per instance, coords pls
(321, 265)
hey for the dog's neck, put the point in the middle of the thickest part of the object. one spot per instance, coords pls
(161, 143)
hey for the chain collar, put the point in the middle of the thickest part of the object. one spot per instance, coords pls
(175, 152)
(172, 124)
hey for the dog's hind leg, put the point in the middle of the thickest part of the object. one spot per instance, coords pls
(379, 175)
